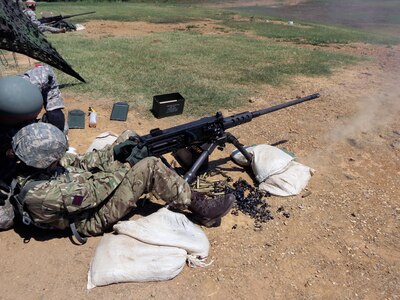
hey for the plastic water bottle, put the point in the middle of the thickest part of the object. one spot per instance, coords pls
(92, 118)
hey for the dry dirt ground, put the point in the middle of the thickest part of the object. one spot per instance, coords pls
(341, 239)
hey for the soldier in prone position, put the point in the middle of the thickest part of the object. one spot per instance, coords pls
(92, 192)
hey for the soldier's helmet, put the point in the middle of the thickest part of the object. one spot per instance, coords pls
(20, 100)
(39, 144)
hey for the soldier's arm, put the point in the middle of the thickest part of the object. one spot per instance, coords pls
(54, 99)
(55, 117)
(32, 17)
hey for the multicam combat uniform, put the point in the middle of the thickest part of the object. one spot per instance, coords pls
(42, 28)
(95, 191)
(45, 79)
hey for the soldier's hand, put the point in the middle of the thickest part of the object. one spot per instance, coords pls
(137, 154)
(131, 151)
(4, 192)
(124, 149)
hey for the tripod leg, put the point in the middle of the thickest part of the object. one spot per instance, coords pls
(233, 140)
(191, 174)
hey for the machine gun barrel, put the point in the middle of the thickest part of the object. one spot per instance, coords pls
(245, 117)
(284, 105)
(45, 20)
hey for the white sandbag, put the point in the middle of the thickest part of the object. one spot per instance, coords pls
(239, 158)
(276, 170)
(289, 182)
(168, 228)
(6, 215)
(269, 160)
(79, 27)
(152, 248)
(102, 140)
(120, 258)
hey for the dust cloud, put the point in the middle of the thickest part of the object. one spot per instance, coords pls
(376, 110)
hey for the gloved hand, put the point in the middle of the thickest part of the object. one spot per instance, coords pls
(124, 149)
(4, 192)
(137, 154)
(130, 151)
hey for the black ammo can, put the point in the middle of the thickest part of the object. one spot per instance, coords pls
(167, 105)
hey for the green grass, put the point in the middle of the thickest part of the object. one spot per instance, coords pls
(308, 33)
(156, 13)
(210, 71)
(367, 15)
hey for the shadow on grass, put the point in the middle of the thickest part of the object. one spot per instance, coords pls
(65, 85)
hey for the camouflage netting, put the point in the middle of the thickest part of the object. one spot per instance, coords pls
(17, 34)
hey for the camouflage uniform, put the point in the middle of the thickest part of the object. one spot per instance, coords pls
(95, 191)
(45, 79)
(42, 28)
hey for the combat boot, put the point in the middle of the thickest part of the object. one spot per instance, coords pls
(207, 211)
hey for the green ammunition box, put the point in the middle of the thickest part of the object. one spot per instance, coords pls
(76, 119)
(120, 111)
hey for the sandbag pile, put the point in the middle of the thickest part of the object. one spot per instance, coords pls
(275, 170)
(153, 248)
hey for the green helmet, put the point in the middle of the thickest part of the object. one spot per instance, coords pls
(20, 100)
(39, 144)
